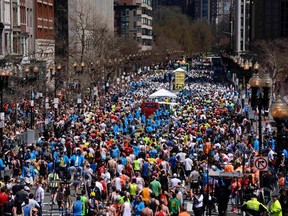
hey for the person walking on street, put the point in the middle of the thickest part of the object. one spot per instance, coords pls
(174, 205)
(27, 209)
(77, 207)
(126, 207)
(284, 202)
(39, 197)
(198, 203)
(275, 209)
(147, 211)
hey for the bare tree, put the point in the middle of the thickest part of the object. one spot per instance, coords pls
(91, 43)
(273, 56)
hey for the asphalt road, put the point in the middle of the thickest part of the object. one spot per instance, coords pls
(51, 210)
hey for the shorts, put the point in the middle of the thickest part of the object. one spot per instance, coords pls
(53, 189)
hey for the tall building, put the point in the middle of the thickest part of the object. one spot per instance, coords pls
(224, 10)
(44, 30)
(158, 3)
(257, 19)
(144, 28)
(242, 25)
(27, 23)
(205, 10)
(269, 19)
(61, 30)
(28, 31)
(126, 19)
(133, 19)
(10, 17)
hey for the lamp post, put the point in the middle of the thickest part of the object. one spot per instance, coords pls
(279, 112)
(4, 75)
(260, 100)
(77, 69)
(246, 68)
(56, 101)
(34, 71)
(32, 122)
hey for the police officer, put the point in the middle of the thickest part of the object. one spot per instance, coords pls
(275, 208)
(254, 207)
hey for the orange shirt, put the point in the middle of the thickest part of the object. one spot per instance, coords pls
(229, 168)
(123, 177)
(281, 181)
(207, 147)
(183, 214)
(145, 194)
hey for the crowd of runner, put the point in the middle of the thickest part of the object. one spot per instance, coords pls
(112, 159)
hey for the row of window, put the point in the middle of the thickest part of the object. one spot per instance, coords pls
(148, 2)
(16, 44)
(146, 11)
(146, 21)
(146, 42)
(147, 32)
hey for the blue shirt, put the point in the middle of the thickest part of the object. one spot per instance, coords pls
(145, 169)
(27, 209)
(256, 145)
(153, 153)
(138, 208)
(172, 161)
(114, 152)
(77, 208)
(136, 150)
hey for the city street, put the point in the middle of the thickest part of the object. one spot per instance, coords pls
(143, 107)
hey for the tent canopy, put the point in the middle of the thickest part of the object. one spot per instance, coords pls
(163, 93)
(179, 70)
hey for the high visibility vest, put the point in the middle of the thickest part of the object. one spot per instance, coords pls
(254, 204)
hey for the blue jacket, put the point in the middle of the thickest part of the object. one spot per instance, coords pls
(66, 160)
(2, 164)
(25, 172)
(80, 160)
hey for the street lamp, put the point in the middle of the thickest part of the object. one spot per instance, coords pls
(4, 75)
(260, 99)
(256, 66)
(279, 112)
(81, 69)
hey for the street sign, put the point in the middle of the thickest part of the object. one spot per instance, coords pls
(261, 163)
(225, 174)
